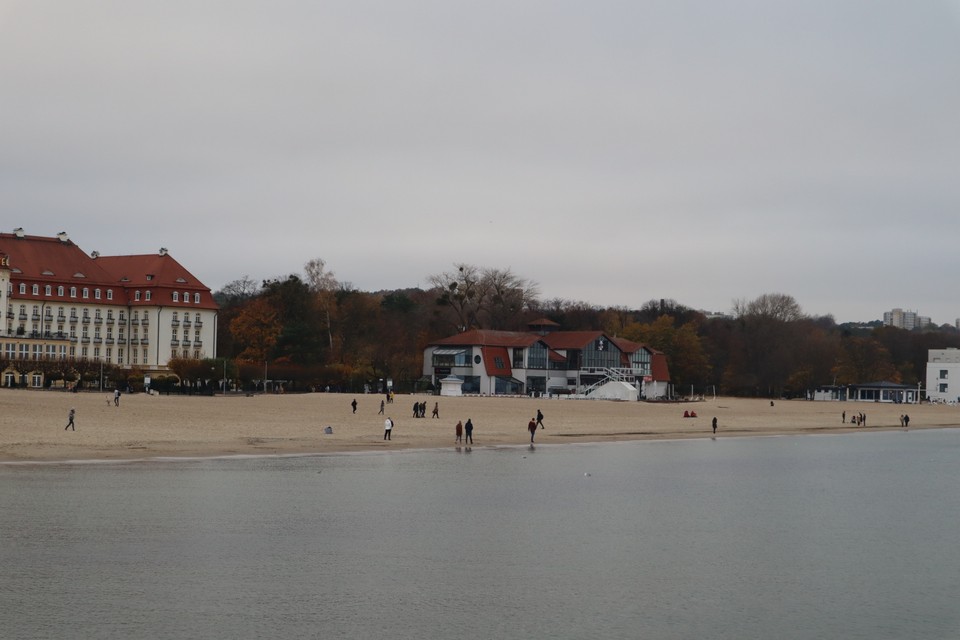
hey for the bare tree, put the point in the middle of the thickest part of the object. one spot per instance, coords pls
(772, 306)
(485, 298)
(324, 285)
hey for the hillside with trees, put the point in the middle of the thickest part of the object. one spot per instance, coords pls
(313, 331)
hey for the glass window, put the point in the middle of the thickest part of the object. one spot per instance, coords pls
(148, 296)
(136, 296)
(73, 292)
(23, 289)
(176, 296)
(86, 292)
(48, 290)
(96, 294)
(196, 298)
(60, 290)
(109, 294)
(36, 289)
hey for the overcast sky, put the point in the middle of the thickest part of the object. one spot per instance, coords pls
(612, 151)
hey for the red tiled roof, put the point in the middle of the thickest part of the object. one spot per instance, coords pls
(658, 367)
(51, 260)
(55, 261)
(570, 339)
(487, 337)
(490, 354)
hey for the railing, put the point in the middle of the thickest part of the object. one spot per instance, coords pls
(144, 341)
(109, 320)
(198, 323)
(174, 323)
(134, 320)
(86, 320)
(98, 321)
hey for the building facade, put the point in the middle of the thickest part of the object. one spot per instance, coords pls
(544, 360)
(943, 375)
(133, 311)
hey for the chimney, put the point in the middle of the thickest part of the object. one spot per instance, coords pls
(18, 232)
(94, 254)
(63, 237)
(163, 251)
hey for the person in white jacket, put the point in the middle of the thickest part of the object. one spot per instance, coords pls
(387, 428)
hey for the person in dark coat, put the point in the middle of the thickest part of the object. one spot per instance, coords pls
(468, 431)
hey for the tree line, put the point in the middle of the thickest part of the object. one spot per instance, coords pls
(313, 331)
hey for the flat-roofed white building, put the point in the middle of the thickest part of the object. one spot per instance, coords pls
(943, 375)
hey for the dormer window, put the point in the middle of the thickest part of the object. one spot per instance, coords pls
(109, 294)
(86, 292)
(73, 292)
(176, 296)
(23, 289)
(148, 296)
(196, 298)
(60, 291)
(96, 294)
(35, 289)
(48, 290)
(136, 296)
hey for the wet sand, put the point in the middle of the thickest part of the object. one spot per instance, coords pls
(148, 426)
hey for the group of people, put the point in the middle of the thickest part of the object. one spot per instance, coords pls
(904, 420)
(464, 432)
(858, 419)
(420, 410)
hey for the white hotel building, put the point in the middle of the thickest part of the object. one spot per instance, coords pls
(134, 311)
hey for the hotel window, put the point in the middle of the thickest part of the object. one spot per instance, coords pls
(109, 294)
(96, 352)
(109, 353)
(119, 356)
(73, 351)
(23, 289)
(96, 294)
(943, 374)
(48, 290)
(186, 296)
(73, 292)
(60, 291)
(943, 388)
(176, 296)
(136, 296)
(36, 289)
(135, 361)
(148, 296)
(144, 355)
(86, 292)
(84, 352)
(196, 298)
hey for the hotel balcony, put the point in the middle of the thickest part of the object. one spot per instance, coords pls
(198, 343)
(145, 321)
(109, 320)
(198, 323)
(174, 323)
(109, 340)
(98, 341)
(185, 343)
(74, 318)
(144, 341)
(86, 320)
(85, 340)
(98, 321)
(134, 320)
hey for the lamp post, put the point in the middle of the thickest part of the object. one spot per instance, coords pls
(224, 377)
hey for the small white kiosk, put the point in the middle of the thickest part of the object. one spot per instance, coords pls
(451, 386)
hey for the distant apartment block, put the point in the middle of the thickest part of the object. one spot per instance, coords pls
(908, 320)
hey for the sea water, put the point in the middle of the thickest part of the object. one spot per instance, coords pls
(841, 536)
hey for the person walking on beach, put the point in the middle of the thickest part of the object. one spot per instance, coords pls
(714, 424)
(540, 418)
(116, 397)
(458, 431)
(843, 418)
(381, 409)
(436, 409)
(70, 424)
(906, 420)
(532, 428)
(354, 405)
(468, 431)
(387, 428)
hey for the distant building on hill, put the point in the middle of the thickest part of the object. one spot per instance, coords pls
(908, 320)
(130, 311)
(548, 361)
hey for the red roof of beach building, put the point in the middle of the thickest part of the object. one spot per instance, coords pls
(489, 337)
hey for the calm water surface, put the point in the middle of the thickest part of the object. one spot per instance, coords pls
(846, 536)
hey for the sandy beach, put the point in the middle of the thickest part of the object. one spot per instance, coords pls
(147, 426)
